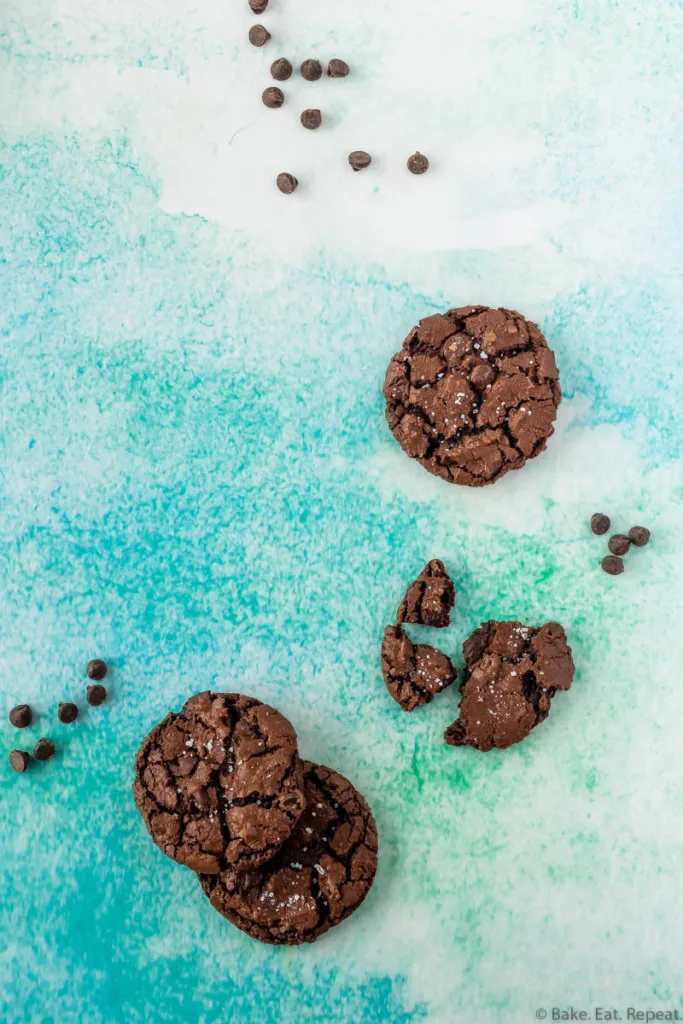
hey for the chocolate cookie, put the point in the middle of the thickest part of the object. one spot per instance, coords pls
(429, 598)
(220, 784)
(473, 394)
(318, 878)
(512, 674)
(414, 673)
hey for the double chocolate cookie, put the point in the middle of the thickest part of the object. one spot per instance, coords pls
(512, 673)
(429, 599)
(220, 784)
(473, 394)
(317, 879)
(414, 673)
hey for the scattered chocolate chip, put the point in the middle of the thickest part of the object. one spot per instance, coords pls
(287, 183)
(311, 119)
(258, 35)
(311, 70)
(96, 695)
(21, 716)
(639, 535)
(96, 669)
(600, 523)
(44, 750)
(67, 712)
(281, 69)
(18, 760)
(337, 68)
(273, 97)
(359, 160)
(418, 164)
(612, 565)
(619, 544)
(258, 6)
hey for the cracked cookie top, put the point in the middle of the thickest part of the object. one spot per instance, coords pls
(318, 878)
(414, 673)
(473, 394)
(220, 784)
(512, 673)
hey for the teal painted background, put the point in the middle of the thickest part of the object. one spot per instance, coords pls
(197, 484)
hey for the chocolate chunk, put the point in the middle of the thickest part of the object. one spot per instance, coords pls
(19, 760)
(639, 535)
(418, 164)
(44, 750)
(21, 716)
(96, 669)
(67, 712)
(473, 394)
(600, 523)
(311, 119)
(96, 695)
(311, 70)
(273, 97)
(337, 68)
(258, 35)
(258, 6)
(220, 784)
(359, 160)
(612, 565)
(619, 544)
(319, 877)
(287, 183)
(414, 673)
(429, 599)
(281, 69)
(512, 673)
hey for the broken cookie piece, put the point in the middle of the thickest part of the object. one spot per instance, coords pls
(414, 673)
(429, 598)
(512, 673)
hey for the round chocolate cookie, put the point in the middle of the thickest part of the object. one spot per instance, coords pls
(220, 784)
(512, 673)
(318, 878)
(473, 394)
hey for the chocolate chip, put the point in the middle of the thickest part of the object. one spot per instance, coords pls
(619, 544)
(311, 119)
(600, 523)
(258, 6)
(67, 712)
(337, 68)
(96, 669)
(287, 183)
(359, 160)
(21, 716)
(418, 164)
(96, 695)
(612, 565)
(44, 750)
(258, 35)
(273, 97)
(639, 535)
(18, 760)
(281, 69)
(311, 70)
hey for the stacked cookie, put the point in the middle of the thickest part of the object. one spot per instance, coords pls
(284, 849)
